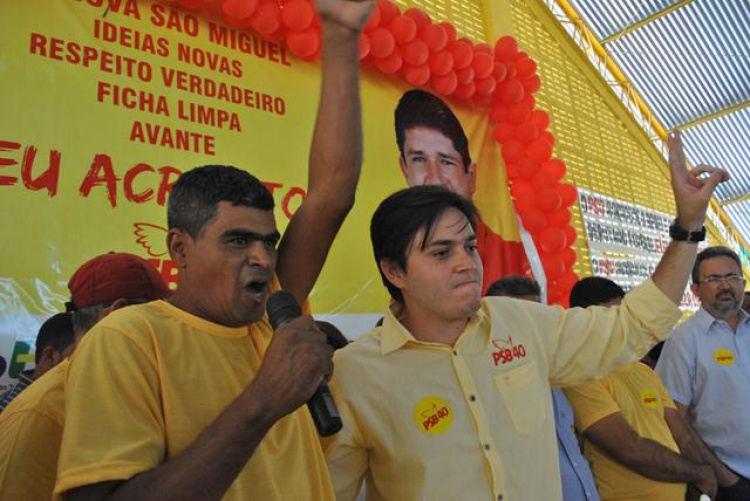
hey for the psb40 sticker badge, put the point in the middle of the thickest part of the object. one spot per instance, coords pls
(433, 415)
(724, 357)
(507, 351)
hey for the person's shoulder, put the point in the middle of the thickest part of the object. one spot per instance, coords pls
(365, 347)
(44, 396)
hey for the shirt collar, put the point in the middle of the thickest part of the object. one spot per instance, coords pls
(705, 320)
(394, 335)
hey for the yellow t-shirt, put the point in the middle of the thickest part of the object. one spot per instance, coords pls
(30, 433)
(148, 379)
(637, 392)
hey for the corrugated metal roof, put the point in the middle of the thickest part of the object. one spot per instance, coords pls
(691, 65)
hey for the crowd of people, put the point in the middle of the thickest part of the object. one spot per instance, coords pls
(192, 394)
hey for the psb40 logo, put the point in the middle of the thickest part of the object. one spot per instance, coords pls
(433, 415)
(507, 351)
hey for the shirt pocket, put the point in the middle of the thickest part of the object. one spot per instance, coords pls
(524, 394)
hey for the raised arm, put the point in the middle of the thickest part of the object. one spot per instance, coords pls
(336, 152)
(692, 194)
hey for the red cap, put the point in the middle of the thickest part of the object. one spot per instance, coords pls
(113, 276)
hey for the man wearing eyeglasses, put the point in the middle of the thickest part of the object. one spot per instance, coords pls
(705, 364)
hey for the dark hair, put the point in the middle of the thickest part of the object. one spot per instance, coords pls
(56, 332)
(196, 195)
(334, 337)
(418, 108)
(591, 291)
(711, 252)
(402, 215)
(514, 285)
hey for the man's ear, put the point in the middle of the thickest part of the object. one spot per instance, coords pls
(393, 272)
(177, 242)
(472, 171)
(116, 305)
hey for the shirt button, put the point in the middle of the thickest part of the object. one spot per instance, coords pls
(499, 497)
(455, 352)
(472, 398)
(486, 447)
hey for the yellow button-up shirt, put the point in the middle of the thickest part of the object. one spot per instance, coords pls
(475, 421)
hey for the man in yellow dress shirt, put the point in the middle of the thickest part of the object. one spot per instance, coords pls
(449, 399)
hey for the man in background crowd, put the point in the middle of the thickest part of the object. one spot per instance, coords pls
(705, 365)
(575, 473)
(31, 427)
(53, 343)
(638, 445)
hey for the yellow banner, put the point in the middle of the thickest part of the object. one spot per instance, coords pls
(105, 104)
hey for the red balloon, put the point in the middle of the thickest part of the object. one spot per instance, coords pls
(521, 189)
(465, 76)
(560, 218)
(540, 118)
(549, 200)
(388, 10)
(463, 55)
(553, 266)
(503, 132)
(280, 36)
(543, 181)
(526, 203)
(510, 172)
(556, 167)
(499, 113)
(238, 9)
(404, 29)
(534, 220)
(483, 64)
(382, 43)
(445, 84)
(482, 101)
(364, 46)
(303, 44)
(510, 91)
(527, 132)
(570, 235)
(298, 15)
(513, 151)
(506, 48)
(569, 257)
(417, 75)
(526, 67)
(441, 63)
(539, 149)
(548, 137)
(527, 168)
(554, 294)
(486, 86)
(483, 47)
(529, 101)
(500, 71)
(415, 53)
(420, 17)
(374, 20)
(434, 36)
(390, 65)
(267, 17)
(568, 193)
(518, 113)
(466, 91)
(450, 30)
(532, 84)
(552, 241)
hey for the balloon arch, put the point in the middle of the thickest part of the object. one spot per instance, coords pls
(430, 54)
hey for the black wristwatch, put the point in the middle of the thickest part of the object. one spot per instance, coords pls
(680, 234)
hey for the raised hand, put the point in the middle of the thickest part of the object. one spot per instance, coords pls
(349, 14)
(692, 193)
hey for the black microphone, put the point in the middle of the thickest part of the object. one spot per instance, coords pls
(282, 308)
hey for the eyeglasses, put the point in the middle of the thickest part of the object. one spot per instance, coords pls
(732, 279)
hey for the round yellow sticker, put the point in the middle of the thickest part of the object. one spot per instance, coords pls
(649, 398)
(433, 415)
(724, 357)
